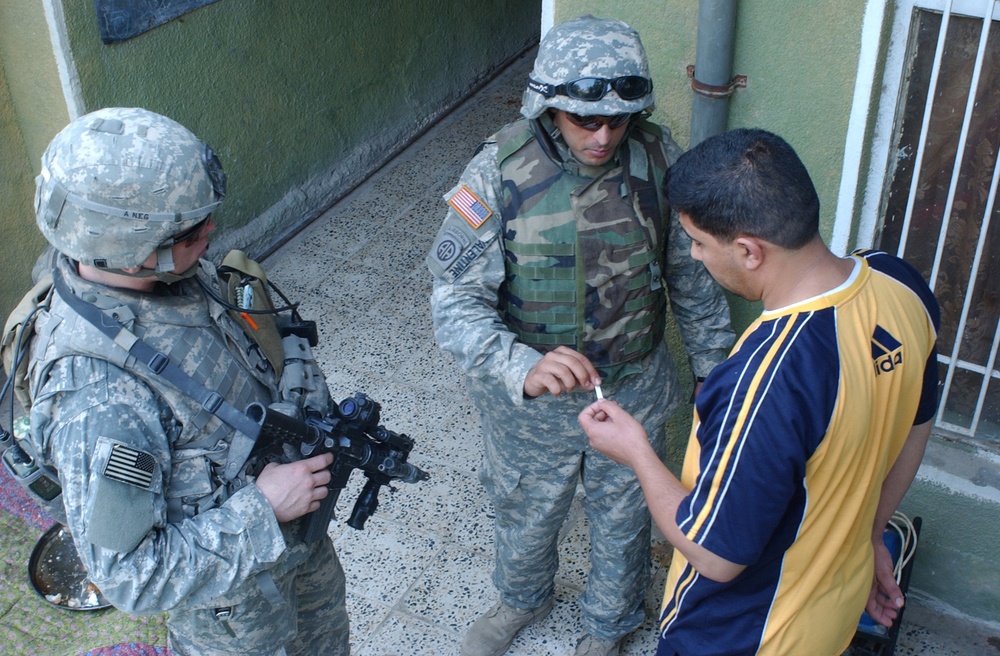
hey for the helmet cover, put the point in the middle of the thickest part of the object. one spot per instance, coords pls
(117, 183)
(587, 47)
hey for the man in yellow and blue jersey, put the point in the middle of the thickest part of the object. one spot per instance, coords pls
(805, 440)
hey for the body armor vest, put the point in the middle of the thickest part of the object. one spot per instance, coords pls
(584, 255)
(198, 336)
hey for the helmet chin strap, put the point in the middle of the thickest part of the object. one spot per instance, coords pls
(165, 267)
(170, 278)
(164, 271)
(165, 259)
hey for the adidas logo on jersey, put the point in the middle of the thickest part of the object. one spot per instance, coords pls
(887, 352)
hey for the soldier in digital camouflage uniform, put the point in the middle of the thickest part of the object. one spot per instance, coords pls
(125, 196)
(549, 271)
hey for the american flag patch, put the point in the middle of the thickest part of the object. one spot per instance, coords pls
(130, 466)
(470, 207)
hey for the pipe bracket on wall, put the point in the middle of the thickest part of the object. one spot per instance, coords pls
(716, 90)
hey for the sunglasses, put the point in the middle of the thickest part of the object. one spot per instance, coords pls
(628, 87)
(189, 237)
(595, 123)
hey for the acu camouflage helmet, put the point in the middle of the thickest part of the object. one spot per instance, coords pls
(118, 183)
(585, 48)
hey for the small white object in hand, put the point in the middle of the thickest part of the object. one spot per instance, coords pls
(600, 395)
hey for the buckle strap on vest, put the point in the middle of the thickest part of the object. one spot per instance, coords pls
(270, 590)
(247, 430)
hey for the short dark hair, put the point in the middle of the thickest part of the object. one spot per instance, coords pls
(746, 182)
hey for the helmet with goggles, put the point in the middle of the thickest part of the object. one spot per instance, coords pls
(119, 184)
(590, 67)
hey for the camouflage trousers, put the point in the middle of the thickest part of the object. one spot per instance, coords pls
(313, 619)
(534, 456)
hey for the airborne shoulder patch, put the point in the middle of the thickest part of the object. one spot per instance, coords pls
(470, 207)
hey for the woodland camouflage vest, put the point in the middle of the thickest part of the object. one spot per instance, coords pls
(584, 255)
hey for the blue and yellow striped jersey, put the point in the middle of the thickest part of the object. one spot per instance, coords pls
(792, 438)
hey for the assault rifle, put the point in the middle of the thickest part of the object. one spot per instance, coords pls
(353, 435)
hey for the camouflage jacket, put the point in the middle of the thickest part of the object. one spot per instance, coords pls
(588, 278)
(468, 263)
(139, 461)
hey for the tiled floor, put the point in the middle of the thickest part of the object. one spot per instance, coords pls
(419, 574)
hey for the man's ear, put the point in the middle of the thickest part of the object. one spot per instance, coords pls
(751, 250)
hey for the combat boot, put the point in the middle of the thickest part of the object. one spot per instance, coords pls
(492, 633)
(593, 646)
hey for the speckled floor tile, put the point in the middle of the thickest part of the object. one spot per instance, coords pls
(425, 214)
(353, 288)
(477, 534)
(406, 306)
(403, 635)
(450, 591)
(382, 561)
(431, 369)
(366, 617)
(410, 180)
(395, 253)
(336, 235)
(441, 506)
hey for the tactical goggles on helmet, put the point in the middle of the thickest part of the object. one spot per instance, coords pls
(628, 87)
(213, 167)
(595, 123)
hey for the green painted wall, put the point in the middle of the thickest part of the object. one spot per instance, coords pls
(21, 240)
(28, 119)
(36, 97)
(302, 100)
(801, 86)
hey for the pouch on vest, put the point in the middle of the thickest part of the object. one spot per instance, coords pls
(20, 457)
(17, 334)
(245, 285)
(286, 345)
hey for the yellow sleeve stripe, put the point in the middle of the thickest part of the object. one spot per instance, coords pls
(743, 422)
(688, 576)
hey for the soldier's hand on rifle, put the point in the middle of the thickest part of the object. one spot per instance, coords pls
(296, 488)
(560, 371)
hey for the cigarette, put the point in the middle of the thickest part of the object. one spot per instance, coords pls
(600, 395)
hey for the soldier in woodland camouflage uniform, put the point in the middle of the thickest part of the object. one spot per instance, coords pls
(549, 271)
(125, 196)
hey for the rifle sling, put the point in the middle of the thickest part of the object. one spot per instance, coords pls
(246, 429)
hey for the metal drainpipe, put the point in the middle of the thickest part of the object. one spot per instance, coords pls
(712, 75)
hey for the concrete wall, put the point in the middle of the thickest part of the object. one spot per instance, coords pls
(957, 494)
(301, 100)
(802, 62)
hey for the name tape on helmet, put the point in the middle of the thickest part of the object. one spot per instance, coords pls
(141, 215)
